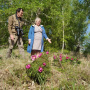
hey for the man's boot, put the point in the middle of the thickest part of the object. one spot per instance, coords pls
(9, 53)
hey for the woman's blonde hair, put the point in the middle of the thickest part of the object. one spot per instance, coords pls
(37, 19)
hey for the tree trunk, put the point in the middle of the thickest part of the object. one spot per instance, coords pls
(63, 30)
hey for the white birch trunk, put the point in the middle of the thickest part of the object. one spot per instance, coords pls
(63, 30)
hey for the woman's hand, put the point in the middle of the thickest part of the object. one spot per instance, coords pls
(49, 40)
(29, 41)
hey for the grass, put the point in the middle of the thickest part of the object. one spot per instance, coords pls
(13, 74)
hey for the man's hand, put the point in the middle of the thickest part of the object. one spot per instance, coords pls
(49, 40)
(12, 37)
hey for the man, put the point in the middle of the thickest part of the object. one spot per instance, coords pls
(15, 23)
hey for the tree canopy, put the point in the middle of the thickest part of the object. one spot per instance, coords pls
(64, 20)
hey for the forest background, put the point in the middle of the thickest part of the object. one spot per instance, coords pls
(65, 22)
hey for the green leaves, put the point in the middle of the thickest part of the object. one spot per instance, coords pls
(53, 13)
(35, 74)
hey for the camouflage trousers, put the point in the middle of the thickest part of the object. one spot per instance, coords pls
(19, 41)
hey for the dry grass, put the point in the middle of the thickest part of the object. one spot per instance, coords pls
(13, 74)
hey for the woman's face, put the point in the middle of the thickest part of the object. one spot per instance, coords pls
(38, 22)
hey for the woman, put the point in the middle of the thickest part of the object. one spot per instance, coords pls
(35, 38)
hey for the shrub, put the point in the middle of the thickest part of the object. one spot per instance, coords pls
(60, 60)
(39, 70)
